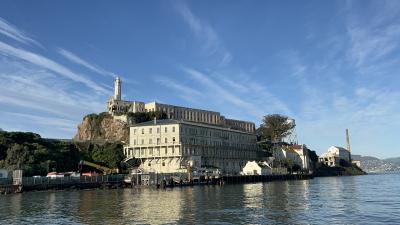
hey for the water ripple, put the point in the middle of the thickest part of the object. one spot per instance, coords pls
(334, 200)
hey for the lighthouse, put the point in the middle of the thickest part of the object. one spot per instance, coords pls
(117, 89)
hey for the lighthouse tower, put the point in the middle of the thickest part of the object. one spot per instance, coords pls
(117, 89)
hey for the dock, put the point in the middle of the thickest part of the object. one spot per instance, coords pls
(178, 180)
(158, 180)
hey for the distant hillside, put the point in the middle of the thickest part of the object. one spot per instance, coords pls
(373, 164)
(363, 158)
(395, 160)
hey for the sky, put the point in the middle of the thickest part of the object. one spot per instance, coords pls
(330, 65)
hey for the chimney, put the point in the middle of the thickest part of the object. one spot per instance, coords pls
(348, 143)
(155, 120)
(347, 140)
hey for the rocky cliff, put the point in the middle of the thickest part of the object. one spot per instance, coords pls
(102, 127)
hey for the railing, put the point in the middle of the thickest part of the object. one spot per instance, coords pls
(6, 181)
(33, 181)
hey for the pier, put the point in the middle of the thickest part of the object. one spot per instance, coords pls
(158, 180)
(176, 180)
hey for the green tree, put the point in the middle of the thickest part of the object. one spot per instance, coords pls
(108, 154)
(275, 127)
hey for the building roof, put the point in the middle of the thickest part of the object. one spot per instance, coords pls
(177, 106)
(297, 146)
(156, 122)
(172, 121)
(331, 151)
(339, 148)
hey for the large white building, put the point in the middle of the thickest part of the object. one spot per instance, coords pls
(119, 109)
(334, 156)
(167, 146)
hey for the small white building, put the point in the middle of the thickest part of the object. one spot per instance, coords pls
(256, 168)
(334, 155)
(3, 173)
(297, 153)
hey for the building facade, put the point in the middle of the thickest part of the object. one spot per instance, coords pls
(334, 156)
(303, 156)
(168, 146)
(256, 168)
(119, 109)
(298, 154)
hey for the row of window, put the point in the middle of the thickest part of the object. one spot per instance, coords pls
(150, 141)
(192, 115)
(200, 132)
(157, 130)
(216, 134)
(207, 152)
(204, 142)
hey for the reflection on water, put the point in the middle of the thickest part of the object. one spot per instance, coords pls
(364, 199)
(138, 205)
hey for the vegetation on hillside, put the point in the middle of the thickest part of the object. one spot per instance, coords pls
(38, 156)
(95, 123)
(140, 117)
(323, 170)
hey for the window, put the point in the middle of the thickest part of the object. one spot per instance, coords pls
(166, 151)
(142, 141)
(163, 163)
(165, 130)
(158, 130)
(142, 130)
(134, 142)
(150, 141)
(166, 140)
(134, 131)
(173, 139)
(150, 130)
(158, 141)
(173, 129)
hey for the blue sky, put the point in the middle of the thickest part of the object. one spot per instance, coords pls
(330, 65)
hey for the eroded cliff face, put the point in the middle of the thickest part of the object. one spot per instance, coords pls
(102, 127)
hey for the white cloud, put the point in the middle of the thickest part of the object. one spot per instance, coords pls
(257, 103)
(185, 92)
(12, 32)
(57, 122)
(373, 36)
(74, 58)
(31, 89)
(210, 40)
(48, 64)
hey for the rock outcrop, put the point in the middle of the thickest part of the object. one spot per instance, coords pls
(103, 128)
